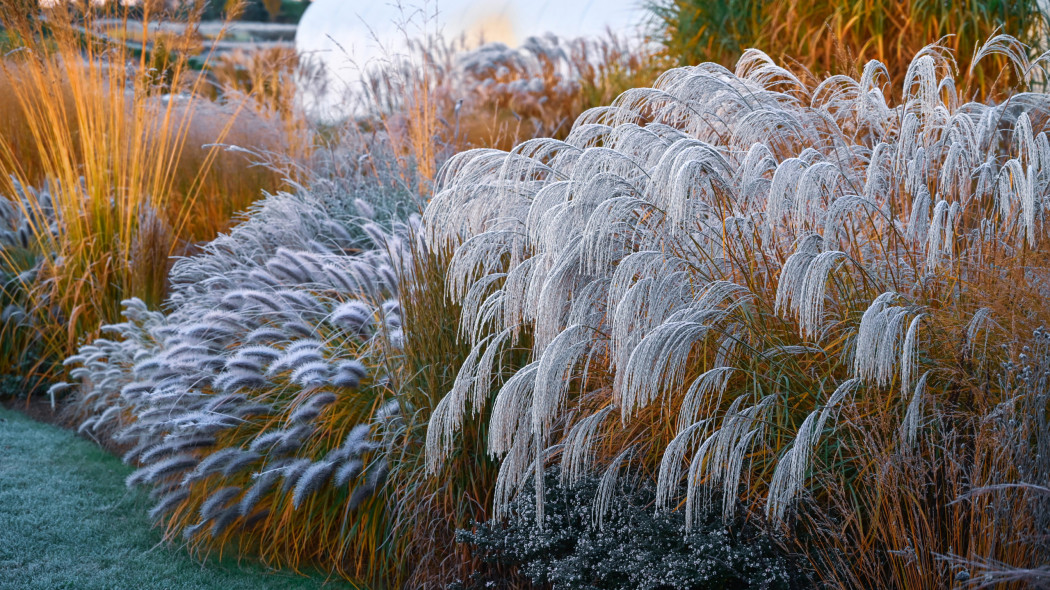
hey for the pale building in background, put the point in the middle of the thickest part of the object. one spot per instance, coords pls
(347, 35)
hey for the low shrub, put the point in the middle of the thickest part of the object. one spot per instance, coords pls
(585, 542)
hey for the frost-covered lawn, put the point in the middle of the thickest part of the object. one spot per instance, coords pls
(67, 521)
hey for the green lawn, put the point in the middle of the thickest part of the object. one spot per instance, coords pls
(67, 521)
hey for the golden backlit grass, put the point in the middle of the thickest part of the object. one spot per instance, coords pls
(840, 37)
(125, 142)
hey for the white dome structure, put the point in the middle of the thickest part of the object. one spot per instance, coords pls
(346, 35)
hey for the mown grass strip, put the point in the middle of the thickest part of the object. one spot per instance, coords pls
(67, 521)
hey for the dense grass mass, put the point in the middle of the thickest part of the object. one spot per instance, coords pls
(840, 37)
(779, 292)
(69, 522)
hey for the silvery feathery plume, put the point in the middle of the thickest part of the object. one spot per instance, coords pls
(909, 428)
(302, 303)
(671, 463)
(265, 334)
(908, 353)
(264, 278)
(265, 441)
(374, 479)
(354, 316)
(982, 319)
(720, 458)
(357, 442)
(223, 403)
(878, 340)
(349, 374)
(347, 472)
(811, 304)
(244, 363)
(175, 445)
(284, 269)
(578, 453)
(223, 521)
(168, 503)
(294, 358)
(311, 374)
(303, 344)
(311, 480)
(793, 275)
(264, 300)
(161, 469)
(710, 383)
(311, 408)
(217, 501)
(789, 477)
(239, 379)
(235, 322)
(292, 472)
(661, 357)
(262, 484)
(607, 487)
(553, 373)
(840, 208)
(292, 438)
(364, 209)
(240, 462)
(259, 354)
(938, 234)
(213, 463)
(511, 416)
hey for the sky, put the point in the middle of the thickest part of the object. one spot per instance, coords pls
(347, 34)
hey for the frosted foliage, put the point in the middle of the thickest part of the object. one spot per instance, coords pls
(683, 243)
(525, 76)
(267, 330)
(29, 221)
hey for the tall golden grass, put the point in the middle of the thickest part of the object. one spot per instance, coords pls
(126, 142)
(840, 37)
(431, 507)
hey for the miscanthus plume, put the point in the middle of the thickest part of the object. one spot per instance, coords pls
(709, 272)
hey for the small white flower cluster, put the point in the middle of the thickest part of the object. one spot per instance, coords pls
(631, 546)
